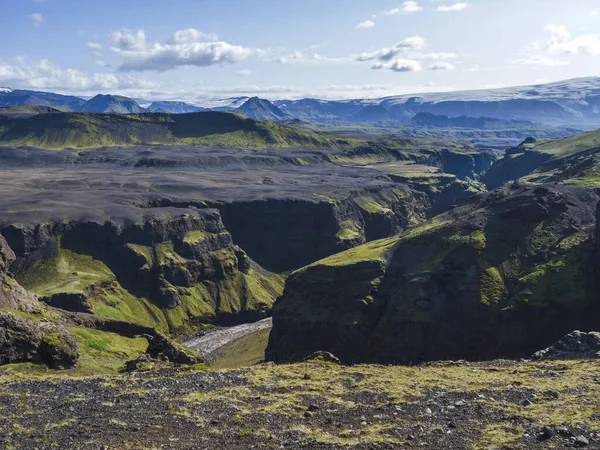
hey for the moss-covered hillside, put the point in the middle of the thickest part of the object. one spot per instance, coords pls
(57, 131)
(173, 273)
(511, 271)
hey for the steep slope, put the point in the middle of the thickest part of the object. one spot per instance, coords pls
(510, 272)
(219, 129)
(260, 109)
(12, 295)
(545, 158)
(111, 104)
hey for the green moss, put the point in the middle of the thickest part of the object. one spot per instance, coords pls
(349, 230)
(372, 251)
(68, 272)
(142, 250)
(244, 352)
(541, 238)
(371, 206)
(491, 285)
(165, 254)
(114, 302)
(105, 353)
(52, 339)
(560, 281)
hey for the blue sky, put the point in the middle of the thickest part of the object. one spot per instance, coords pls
(199, 49)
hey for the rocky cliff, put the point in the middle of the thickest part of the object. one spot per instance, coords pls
(171, 269)
(506, 274)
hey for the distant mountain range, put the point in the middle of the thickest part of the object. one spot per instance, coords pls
(572, 103)
(174, 107)
(479, 123)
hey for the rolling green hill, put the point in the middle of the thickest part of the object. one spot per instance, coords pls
(93, 130)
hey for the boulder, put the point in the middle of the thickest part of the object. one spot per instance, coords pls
(575, 345)
(27, 341)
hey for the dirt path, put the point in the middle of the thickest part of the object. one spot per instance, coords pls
(210, 344)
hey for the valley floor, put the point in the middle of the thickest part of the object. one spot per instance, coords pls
(451, 405)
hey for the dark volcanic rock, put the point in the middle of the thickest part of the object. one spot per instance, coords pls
(575, 345)
(12, 295)
(504, 275)
(26, 341)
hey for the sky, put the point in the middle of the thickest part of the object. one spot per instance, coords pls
(195, 50)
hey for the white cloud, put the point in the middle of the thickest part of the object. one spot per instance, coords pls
(387, 54)
(304, 57)
(191, 35)
(95, 48)
(436, 56)
(440, 65)
(563, 42)
(129, 41)
(188, 47)
(43, 74)
(541, 60)
(559, 47)
(365, 24)
(453, 8)
(36, 19)
(244, 72)
(407, 7)
(398, 65)
(101, 63)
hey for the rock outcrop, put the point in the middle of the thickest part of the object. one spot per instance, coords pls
(502, 276)
(575, 345)
(27, 341)
(12, 295)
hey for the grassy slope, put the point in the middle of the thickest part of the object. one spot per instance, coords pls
(220, 129)
(573, 161)
(244, 352)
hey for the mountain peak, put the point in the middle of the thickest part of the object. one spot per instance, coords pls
(111, 104)
(262, 109)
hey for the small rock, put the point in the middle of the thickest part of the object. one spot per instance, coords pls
(581, 441)
(452, 425)
(307, 414)
(526, 402)
(428, 411)
(312, 408)
(410, 437)
(307, 376)
(363, 423)
(460, 403)
(545, 434)
(563, 431)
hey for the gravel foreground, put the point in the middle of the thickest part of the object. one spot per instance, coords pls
(314, 405)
